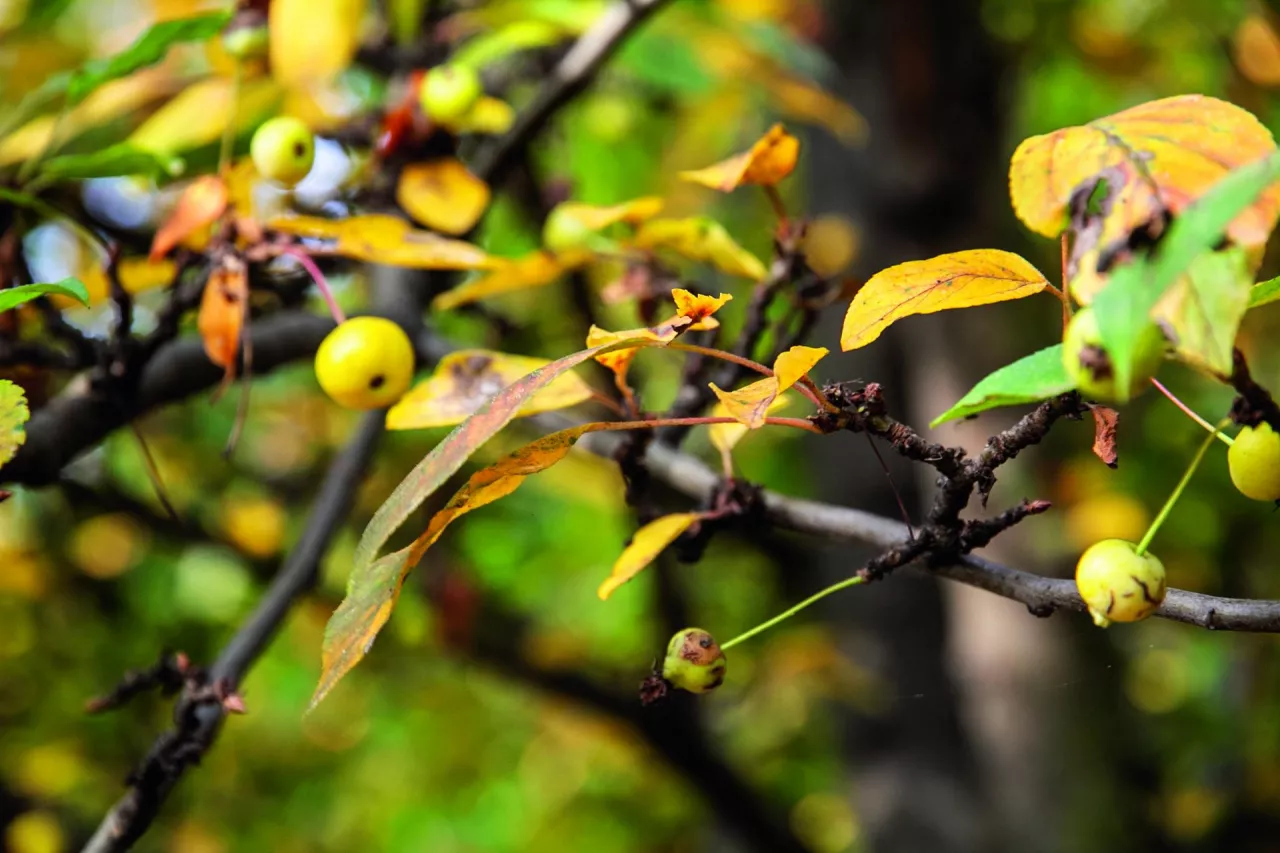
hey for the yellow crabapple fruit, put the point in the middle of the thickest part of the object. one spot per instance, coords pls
(1117, 583)
(283, 150)
(1254, 462)
(365, 363)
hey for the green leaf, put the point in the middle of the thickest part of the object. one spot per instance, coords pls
(13, 414)
(112, 161)
(15, 296)
(490, 47)
(1265, 292)
(1030, 379)
(149, 49)
(1206, 306)
(1124, 306)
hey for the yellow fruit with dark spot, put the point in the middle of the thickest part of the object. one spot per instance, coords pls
(365, 363)
(1254, 462)
(1117, 583)
(449, 92)
(1090, 365)
(694, 661)
(283, 150)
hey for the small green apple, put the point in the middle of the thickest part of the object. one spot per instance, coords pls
(449, 92)
(283, 150)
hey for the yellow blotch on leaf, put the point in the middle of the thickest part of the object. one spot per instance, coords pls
(536, 269)
(698, 308)
(35, 832)
(751, 403)
(830, 244)
(255, 525)
(699, 238)
(388, 240)
(107, 546)
(771, 159)
(443, 195)
(646, 545)
(956, 280)
(464, 381)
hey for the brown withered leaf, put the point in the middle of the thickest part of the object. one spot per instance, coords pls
(1105, 424)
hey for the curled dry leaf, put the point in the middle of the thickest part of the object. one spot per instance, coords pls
(698, 308)
(199, 206)
(1105, 424)
(750, 404)
(536, 269)
(442, 195)
(771, 159)
(222, 312)
(464, 381)
(649, 541)
(956, 280)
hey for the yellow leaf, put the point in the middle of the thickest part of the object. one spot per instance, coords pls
(791, 366)
(956, 280)
(749, 404)
(199, 206)
(1156, 156)
(645, 546)
(313, 40)
(489, 115)
(197, 116)
(700, 239)
(596, 218)
(442, 195)
(1256, 48)
(619, 360)
(464, 381)
(724, 437)
(804, 101)
(536, 269)
(388, 240)
(698, 308)
(769, 161)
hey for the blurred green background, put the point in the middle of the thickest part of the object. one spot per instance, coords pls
(1156, 736)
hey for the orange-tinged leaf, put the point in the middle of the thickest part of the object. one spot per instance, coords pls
(619, 360)
(442, 195)
(646, 545)
(452, 453)
(489, 115)
(956, 280)
(373, 591)
(536, 269)
(387, 240)
(596, 218)
(724, 437)
(1256, 48)
(700, 239)
(464, 381)
(698, 308)
(769, 161)
(199, 206)
(1158, 155)
(806, 102)
(749, 404)
(312, 41)
(222, 312)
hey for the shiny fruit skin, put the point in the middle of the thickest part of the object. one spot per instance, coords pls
(694, 661)
(1082, 345)
(365, 363)
(1254, 462)
(1118, 584)
(449, 92)
(283, 150)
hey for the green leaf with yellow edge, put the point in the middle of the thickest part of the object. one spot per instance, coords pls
(387, 240)
(751, 403)
(767, 162)
(464, 381)
(13, 414)
(12, 297)
(648, 542)
(148, 49)
(955, 280)
(1030, 379)
(699, 238)
(443, 195)
(1264, 292)
(536, 269)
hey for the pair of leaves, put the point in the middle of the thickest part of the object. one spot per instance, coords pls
(70, 287)
(750, 405)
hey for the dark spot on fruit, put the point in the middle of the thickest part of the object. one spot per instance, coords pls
(705, 642)
(299, 150)
(377, 382)
(1096, 361)
(1146, 593)
(700, 648)
(1111, 602)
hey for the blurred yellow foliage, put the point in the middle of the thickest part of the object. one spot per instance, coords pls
(35, 832)
(255, 525)
(107, 546)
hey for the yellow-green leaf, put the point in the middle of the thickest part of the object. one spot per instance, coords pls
(13, 414)
(536, 269)
(646, 545)
(700, 239)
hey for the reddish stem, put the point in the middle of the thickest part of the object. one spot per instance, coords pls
(322, 283)
(805, 385)
(655, 423)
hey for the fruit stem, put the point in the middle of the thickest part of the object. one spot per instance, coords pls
(1226, 439)
(322, 283)
(1177, 491)
(792, 611)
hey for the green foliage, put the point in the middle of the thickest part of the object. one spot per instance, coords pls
(1028, 380)
(14, 296)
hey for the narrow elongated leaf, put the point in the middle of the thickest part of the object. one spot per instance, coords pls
(14, 296)
(956, 280)
(120, 159)
(649, 541)
(388, 240)
(1030, 379)
(1264, 292)
(536, 269)
(222, 313)
(149, 49)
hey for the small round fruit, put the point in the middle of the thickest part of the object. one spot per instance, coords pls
(365, 363)
(1117, 583)
(1254, 462)
(694, 661)
(449, 92)
(283, 150)
(246, 37)
(1089, 365)
(564, 231)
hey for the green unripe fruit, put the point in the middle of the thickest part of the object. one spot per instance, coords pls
(1254, 462)
(1088, 364)
(449, 92)
(283, 150)
(1117, 583)
(694, 661)
(247, 40)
